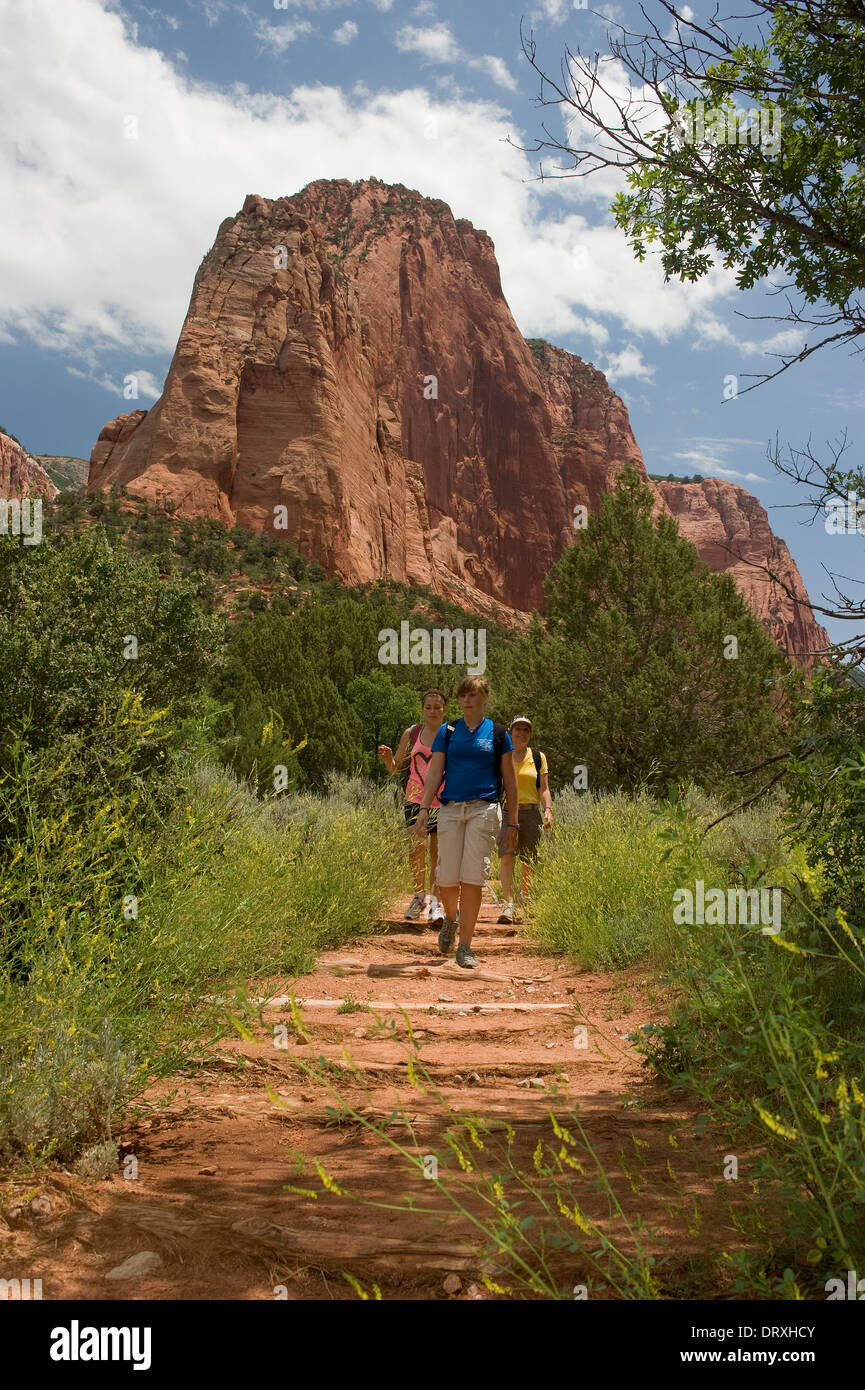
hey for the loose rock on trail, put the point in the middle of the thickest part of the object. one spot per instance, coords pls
(213, 1149)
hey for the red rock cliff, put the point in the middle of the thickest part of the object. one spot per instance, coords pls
(731, 531)
(21, 475)
(348, 356)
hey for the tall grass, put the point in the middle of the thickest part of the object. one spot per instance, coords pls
(767, 1032)
(120, 922)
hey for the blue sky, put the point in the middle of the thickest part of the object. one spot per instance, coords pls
(131, 131)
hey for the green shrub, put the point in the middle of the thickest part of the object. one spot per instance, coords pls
(95, 1003)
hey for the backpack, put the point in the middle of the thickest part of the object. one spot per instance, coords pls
(499, 732)
(536, 759)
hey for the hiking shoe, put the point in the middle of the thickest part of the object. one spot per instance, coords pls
(507, 916)
(415, 907)
(446, 935)
(465, 957)
(436, 913)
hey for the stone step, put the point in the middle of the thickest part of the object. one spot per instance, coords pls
(413, 1007)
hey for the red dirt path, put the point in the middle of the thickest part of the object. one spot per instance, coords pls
(214, 1149)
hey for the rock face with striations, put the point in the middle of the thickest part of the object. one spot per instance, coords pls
(21, 475)
(349, 375)
(731, 531)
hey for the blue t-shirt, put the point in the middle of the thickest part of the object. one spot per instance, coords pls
(469, 771)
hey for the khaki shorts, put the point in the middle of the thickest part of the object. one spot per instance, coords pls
(467, 833)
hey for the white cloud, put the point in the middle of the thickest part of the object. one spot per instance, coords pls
(497, 69)
(554, 10)
(711, 332)
(436, 44)
(145, 383)
(213, 9)
(101, 234)
(627, 363)
(614, 13)
(280, 36)
(346, 32)
(158, 15)
(708, 455)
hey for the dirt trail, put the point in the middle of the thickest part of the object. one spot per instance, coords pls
(213, 1150)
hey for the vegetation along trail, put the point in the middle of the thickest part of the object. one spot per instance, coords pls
(217, 1196)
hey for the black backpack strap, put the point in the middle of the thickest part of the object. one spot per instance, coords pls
(536, 759)
(499, 732)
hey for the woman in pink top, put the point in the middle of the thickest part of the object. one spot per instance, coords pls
(413, 756)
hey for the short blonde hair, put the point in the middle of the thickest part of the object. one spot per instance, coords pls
(473, 685)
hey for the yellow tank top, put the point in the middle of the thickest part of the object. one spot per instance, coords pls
(529, 794)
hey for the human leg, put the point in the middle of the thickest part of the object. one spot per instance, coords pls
(450, 839)
(483, 822)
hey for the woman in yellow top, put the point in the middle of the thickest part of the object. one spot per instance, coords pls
(535, 813)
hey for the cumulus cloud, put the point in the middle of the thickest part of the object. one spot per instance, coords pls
(124, 167)
(346, 32)
(436, 44)
(627, 363)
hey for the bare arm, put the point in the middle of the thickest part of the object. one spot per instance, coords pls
(510, 831)
(546, 799)
(394, 762)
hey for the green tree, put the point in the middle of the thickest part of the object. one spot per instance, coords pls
(275, 670)
(384, 710)
(783, 197)
(633, 675)
(82, 622)
(783, 193)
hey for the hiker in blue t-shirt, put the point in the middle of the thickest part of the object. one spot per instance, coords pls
(476, 758)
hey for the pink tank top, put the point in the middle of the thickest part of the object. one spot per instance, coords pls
(419, 762)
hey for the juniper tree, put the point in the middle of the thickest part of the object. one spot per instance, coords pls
(649, 667)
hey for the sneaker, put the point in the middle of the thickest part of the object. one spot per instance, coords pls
(415, 907)
(506, 916)
(446, 935)
(436, 913)
(465, 957)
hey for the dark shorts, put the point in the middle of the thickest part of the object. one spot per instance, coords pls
(411, 815)
(531, 829)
